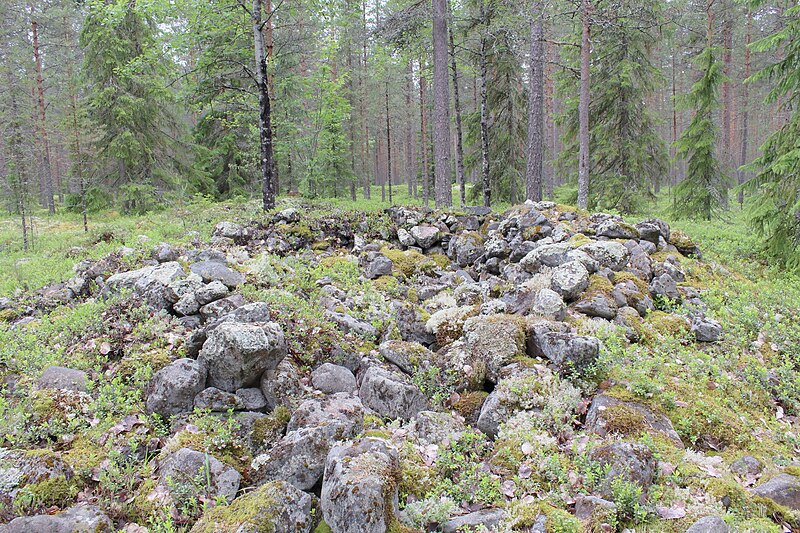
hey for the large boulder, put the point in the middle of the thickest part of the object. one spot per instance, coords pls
(217, 271)
(783, 489)
(608, 254)
(330, 378)
(172, 389)
(630, 462)
(465, 248)
(81, 518)
(568, 351)
(495, 340)
(391, 394)
(317, 424)
(277, 507)
(238, 354)
(59, 377)
(570, 279)
(614, 229)
(180, 471)
(425, 236)
(609, 415)
(709, 524)
(550, 255)
(359, 490)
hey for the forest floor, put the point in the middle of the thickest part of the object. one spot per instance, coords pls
(726, 400)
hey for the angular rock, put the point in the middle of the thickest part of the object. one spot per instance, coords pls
(611, 415)
(631, 462)
(229, 230)
(465, 248)
(626, 293)
(359, 490)
(706, 329)
(59, 377)
(548, 304)
(163, 253)
(550, 255)
(665, 287)
(597, 304)
(425, 236)
(608, 254)
(391, 394)
(214, 399)
(172, 389)
(434, 427)
(783, 489)
(330, 378)
(407, 356)
(616, 230)
(378, 266)
(81, 518)
(495, 340)
(236, 354)
(483, 520)
(252, 399)
(215, 290)
(570, 279)
(222, 307)
(709, 524)
(567, 351)
(217, 271)
(183, 467)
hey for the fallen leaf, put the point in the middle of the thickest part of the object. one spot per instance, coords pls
(105, 348)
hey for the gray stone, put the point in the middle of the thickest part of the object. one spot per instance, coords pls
(359, 490)
(709, 524)
(591, 507)
(783, 489)
(378, 266)
(626, 293)
(181, 470)
(706, 329)
(349, 323)
(665, 286)
(567, 351)
(548, 304)
(550, 255)
(164, 253)
(172, 389)
(216, 271)
(426, 236)
(483, 520)
(434, 427)
(597, 304)
(221, 307)
(747, 465)
(606, 411)
(252, 399)
(213, 291)
(407, 356)
(631, 462)
(608, 254)
(405, 238)
(229, 230)
(330, 378)
(82, 518)
(59, 377)
(495, 341)
(570, 279)
(186, 305)
(616, 230)
(277, 507)
(465, 248)
(497, 247)
(648, 232)
(237, 354)
(282, 386)
(214, 399)
(391, 394)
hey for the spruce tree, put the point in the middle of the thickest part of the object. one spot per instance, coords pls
(775, 212)
(701, 195)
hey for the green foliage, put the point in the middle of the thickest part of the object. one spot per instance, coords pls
(460, 474)
(702, 194)
(775, 211)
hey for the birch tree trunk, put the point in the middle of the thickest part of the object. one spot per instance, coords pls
(264, 110)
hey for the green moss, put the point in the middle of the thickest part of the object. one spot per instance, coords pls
(624, 420)
(619, 277)
(441, 260)
(469, 403)
(406, 262)
(579, 239)
(320, 245)
(387, 284)
(599, 284)
(668, 324)
(323, 527)
(680, 240)
(792, 470)
(84, 454)
(255, 511)
(266, 428)
(55, 491)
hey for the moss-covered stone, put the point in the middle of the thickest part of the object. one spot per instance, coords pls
(406, 262)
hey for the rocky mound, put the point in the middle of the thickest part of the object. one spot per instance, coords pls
(413, 371)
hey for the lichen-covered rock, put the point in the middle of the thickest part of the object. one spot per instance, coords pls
(407, 356)
(236, 354)
(570, 279)
(217, 271)
(252, 399)
(214, 399)
(172, 389)
(496, 340)
(180, 471)
(783, 489)
(611, 415)
(665, 287)
(81, 518)
(747, 465)
(608, 254)
(627, 293)
(550, 255)
(426, 236)
(59, 377)
(548, 304)
(229, 230)
(709, 524)
(250, 313)
(465, 248)
(378, 265)
(434, 427)
(706, 329)
(614, 229)
(213, 291)
(316, 425)
(277, 507)
(537, 391)
(597, 304)
(330, 378)
(568, 351)
(630, 462)
(391, 394)
(483, 520)
(359, 490)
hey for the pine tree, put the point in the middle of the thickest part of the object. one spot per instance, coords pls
(775, 213)
(701, 195)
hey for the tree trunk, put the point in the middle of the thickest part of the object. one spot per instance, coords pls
(426, 177)
(20, 185)
(264, 108)
(583, 110)
(441, 107)
(459, 135)
(364, 98)
(745, 104)
(533, 170)
(388, 144)
(727, 92)
(410, 170)
(47, 169)
(487, 186)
